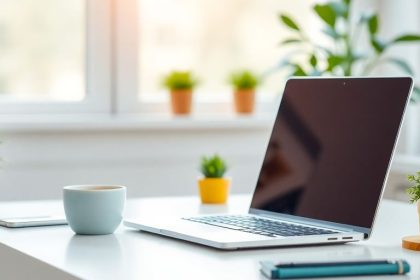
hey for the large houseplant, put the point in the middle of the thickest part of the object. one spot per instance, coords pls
(181, 85)
(342, 57)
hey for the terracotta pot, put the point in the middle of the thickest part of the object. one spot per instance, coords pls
(244, 100)
(181, 101)
(214, 190)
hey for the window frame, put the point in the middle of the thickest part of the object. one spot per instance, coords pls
(126, 58)
(112, 43)
(98, 75)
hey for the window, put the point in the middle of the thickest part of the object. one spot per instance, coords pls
(42, 50)
(211, 38)
(109, 56)
(49, 56)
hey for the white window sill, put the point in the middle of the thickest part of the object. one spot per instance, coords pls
(406, 164)
(95, 122)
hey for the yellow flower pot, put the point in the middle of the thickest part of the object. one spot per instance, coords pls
(214, 190)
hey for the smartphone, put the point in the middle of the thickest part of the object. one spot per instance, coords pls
(20, 222)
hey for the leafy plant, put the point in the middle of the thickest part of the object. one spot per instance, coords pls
(244, 79)
(180, 80)
(213, 167)
(414, 190)
(344, 34)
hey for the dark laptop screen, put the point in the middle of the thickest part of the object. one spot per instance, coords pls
(330, 147)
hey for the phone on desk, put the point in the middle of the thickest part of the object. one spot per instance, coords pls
(20, 222)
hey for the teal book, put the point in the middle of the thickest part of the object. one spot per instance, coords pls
(333, 269)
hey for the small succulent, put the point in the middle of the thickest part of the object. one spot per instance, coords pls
(244, 79)
(180, 80)
(213, 167)
(414, 190)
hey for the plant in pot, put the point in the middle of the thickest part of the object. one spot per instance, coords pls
(244, 84)
(213, 187)
(413, 191)
(181, 85)
(349, 51)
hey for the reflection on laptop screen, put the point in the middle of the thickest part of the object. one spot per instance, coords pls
(329, 151)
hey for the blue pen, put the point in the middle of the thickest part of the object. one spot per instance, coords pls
(328, 269)
(332, 263)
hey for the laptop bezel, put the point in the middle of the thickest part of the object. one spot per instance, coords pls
(322, 223)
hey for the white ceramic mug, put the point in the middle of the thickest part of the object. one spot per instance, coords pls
(94, 209)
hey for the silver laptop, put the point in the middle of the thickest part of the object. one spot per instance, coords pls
(323, 173)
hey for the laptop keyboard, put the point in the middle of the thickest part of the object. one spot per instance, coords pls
(259, 226)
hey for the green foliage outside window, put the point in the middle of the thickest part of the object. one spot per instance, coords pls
(345, 34)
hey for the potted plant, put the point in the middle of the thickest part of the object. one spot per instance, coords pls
(214, 188)
(414, 190)
(181, 85)
(244, 84)
(413, 242)
(355, 48)
(349, 52)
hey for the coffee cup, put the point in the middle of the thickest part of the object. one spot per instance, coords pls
(94, 209)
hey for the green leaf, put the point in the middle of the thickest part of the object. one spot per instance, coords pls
(244, 79)
(403, 65)
(331, 32)
(299, 71)
(313, 61)
(373, 24)
(290, 41)
(333, 61)
(407, 38)
(378, 44)
(289, 22)
(326, 13)
(414, 190)
(180, 80)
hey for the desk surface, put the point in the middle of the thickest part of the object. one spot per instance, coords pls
(130, 254)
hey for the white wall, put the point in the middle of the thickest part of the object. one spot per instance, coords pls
(151, 161)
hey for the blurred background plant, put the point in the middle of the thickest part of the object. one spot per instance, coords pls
(413, 190)
(342, 57)
(244, 79)
(180, 80)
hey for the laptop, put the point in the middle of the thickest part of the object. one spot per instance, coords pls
(324, 170)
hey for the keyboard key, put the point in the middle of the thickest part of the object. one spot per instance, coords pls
(259, 226)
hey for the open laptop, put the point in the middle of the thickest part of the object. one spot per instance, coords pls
(323, 173)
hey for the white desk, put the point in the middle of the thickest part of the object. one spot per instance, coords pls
(56, 253)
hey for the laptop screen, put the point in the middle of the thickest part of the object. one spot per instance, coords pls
(329, 151)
